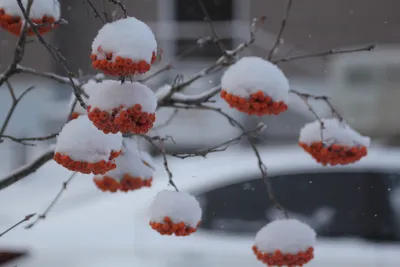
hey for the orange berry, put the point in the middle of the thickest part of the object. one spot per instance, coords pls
(257, 104)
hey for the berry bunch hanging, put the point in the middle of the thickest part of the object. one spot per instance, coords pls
(132, 172)
(124, 47)
(44, 13)
(285, 243)
(127, 108)
(83, 148)
(333, 142)
(175, 213)
(255, 86)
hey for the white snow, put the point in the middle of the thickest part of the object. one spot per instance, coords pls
(334, 132)
(252, 74)
(87, 88)
(130, 162)
(82, 141)
(163, 91)
(39, 8)
(288, 236)
(179, 206)
(127, 38)
(110, 94)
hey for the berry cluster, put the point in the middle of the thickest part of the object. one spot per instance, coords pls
(122, 119)
(167, 227)
(280, 259)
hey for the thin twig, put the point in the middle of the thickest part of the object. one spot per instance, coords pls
(168, 121)
(323, 98)
(281, 30)
(326, 53)
(28, 139)
(170, 176)
(200, 43)
(46, 212)
(207, 18)
(14, 104)
(25, 219)
(220, 147)
(95, 11)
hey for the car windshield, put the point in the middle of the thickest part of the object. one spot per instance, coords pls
(363, 204)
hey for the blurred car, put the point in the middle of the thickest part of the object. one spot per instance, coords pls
(352, 208)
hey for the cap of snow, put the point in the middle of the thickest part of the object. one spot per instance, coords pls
(110, 94)
(288, 236)
(333, 132)
(39, 8)
(179, 206)
(82, 141)
(163, 91)
(252, 74)
(87, 88)
(130, 162)
(132, 143)
(126, 38)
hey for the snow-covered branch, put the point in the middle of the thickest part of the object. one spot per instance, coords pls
(26, 169)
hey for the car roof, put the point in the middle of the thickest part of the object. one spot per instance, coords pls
(194, 175)
(241, 164)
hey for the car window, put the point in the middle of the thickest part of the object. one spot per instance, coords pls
(335, 204)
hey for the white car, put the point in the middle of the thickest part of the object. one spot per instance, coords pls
(355, 210)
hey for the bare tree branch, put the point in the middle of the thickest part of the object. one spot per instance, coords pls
(27, 169)
(261, 165)
(195, 99)
(54, 52)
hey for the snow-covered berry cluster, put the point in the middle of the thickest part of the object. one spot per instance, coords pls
(133, 172)
(127, 108)
(175, 213)
(43, 13)
(92, 141)
(332, 142)
(255, 86)
(285, 243)
(124, 47)
(83, 148)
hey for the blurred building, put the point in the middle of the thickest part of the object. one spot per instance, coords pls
(312, 26)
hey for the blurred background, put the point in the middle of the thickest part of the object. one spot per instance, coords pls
(364, 86)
